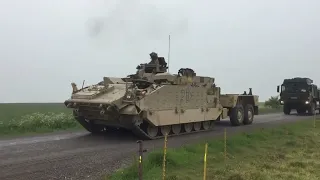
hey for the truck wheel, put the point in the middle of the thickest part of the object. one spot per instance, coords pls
(301, 111)
(248, 114)
(312, 109)
(286, 110)
(237, 115)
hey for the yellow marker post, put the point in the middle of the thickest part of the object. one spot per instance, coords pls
(225, 145)
(205, 162)
(140, 159)
(164, 158)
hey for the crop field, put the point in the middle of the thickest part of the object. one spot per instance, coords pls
(21, 118)
(285, 152)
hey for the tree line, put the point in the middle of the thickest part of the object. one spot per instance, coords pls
(273, 102)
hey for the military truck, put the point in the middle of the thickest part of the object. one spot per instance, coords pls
(299, 93)
(153, 102)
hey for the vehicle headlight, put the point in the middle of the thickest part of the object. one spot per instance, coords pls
(281, 102)
(307, 102)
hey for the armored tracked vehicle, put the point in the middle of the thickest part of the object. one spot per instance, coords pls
(153, 102)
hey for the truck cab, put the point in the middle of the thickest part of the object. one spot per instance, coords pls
(299, 94)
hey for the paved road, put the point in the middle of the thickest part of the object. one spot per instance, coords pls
(84, 156)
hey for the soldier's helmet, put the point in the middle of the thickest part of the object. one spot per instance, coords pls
(153, 55)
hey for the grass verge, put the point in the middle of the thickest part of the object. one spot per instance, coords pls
(30, 118)
(286, 152)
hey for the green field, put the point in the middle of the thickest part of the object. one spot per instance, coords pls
(286, 152)
(21, 118)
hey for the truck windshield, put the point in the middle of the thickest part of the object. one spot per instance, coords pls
(294, 88)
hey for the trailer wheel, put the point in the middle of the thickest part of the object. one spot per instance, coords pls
(237, 115)
(248, 114)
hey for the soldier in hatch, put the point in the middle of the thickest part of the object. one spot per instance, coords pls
(140, 72)
(74, 88)
(154, 58)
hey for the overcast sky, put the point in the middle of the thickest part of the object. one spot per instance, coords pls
(47, 44)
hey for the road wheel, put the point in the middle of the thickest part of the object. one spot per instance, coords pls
(176, 128)
(165, 129)
(188, 127)
(248, 114)
(197, 126)
(286, 110)
(206, 125)
(237, 115)
(152, 131)
(212, 123)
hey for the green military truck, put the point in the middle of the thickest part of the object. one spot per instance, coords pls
(300, 94)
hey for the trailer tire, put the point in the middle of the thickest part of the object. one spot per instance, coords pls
(248, 114)
(237, 115)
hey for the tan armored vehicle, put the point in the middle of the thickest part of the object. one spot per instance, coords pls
(153, 102)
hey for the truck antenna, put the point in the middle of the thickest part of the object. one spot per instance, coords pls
(169, 54)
